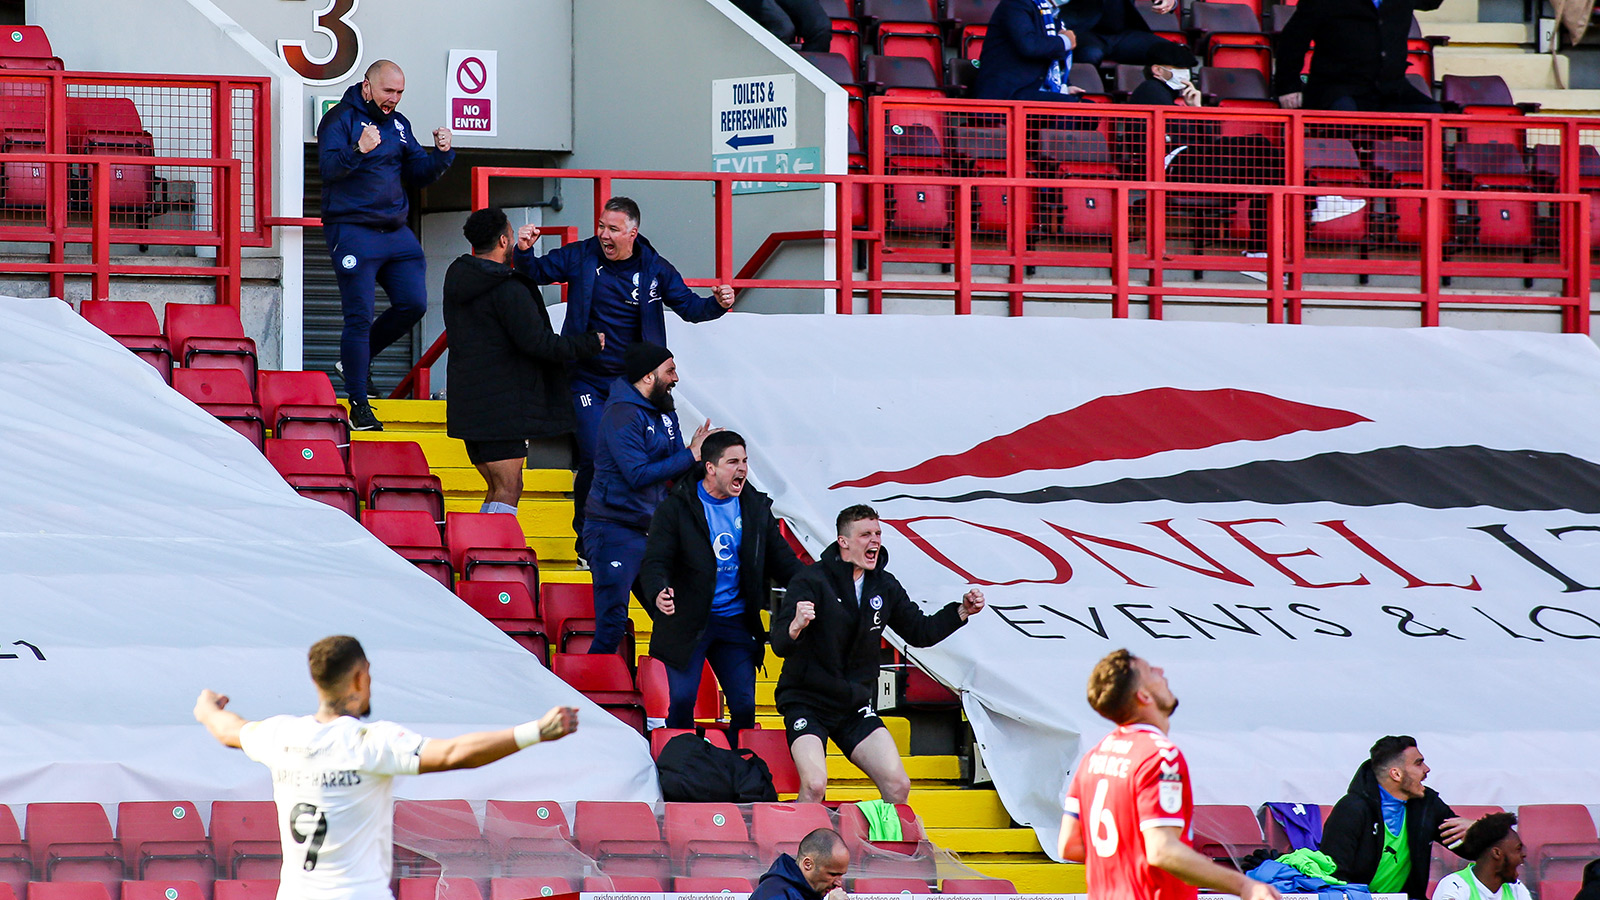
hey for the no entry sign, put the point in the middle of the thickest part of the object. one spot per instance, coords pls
(471, 88)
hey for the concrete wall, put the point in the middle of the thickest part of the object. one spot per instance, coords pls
(533, 39)
(642, 78)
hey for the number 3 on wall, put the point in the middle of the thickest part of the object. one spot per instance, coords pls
(333, 20)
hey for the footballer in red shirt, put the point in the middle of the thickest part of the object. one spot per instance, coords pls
(1130, 809)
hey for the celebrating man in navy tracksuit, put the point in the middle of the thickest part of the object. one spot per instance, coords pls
(369, 158)
(641, 450)
(618, 284)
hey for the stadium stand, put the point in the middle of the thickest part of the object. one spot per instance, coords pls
(225, 394)
(133, 325)
(414, 535)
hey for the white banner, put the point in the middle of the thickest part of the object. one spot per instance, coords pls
(1324, 535)
(148, 551)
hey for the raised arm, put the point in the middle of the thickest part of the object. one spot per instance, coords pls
(479, 748)
(211, 711)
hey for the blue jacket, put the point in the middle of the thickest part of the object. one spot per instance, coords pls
(575, 265)
(1017, 52)
(641, 448)
(784, 881)
(1290, 880)
(370, 188)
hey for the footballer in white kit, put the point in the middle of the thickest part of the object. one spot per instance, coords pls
(333, 774)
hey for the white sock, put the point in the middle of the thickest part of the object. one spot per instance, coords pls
(496, 507)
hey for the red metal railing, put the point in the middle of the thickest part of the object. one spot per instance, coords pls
(90, 218)
(416, 383)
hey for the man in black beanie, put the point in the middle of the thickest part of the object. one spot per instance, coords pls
(640, 450)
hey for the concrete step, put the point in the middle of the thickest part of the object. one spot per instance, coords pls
(545, 483)
(1448, 11)
(1560, 103)
(1036, 877)
(409, 415)
(1520, 70)
(986, 840)
(920, 768)
(1515, 35)
(941, 807)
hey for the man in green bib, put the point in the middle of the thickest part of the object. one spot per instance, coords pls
(1496, 854)
(1380, 833)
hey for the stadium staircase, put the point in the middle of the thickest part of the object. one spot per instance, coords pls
(967, 821)
(1506, 49)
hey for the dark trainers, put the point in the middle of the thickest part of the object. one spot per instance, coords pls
(362, 419)
(338, 369)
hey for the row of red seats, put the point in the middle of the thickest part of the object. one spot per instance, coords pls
(142, 890)
(1559, 838)
(167, 841)
(202, 336)
(520, 888)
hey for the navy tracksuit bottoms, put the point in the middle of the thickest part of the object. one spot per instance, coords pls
(615, 554)
(589, 393)
(364, 258)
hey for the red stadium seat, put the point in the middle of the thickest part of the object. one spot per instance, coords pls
(846, 34)
(773, 748)
(508, 607)
(657, 698)
(905, 29)
(981, 152)
(1560, 839)
(643, 884)
(969, 23)
(244, 890)
(1494, 167)
(1165, 25)
(889, 886)
(623, 838)
(1231, 36)
(532, 837)
(225, 394)
(1273, 833)
(162, 890)
(73, 842)
(1227, 832)
(778, 827)
(569, 620)
(908, 858)
(916, 149)
(1559, 890)
(16, 864)
(165, 841)
(922, 692)
(68, 890)
(491, 547)
(896, 76)
(846, 74)
(303, 406)
(605, 679)
(210, 337)
(430, 834)
(395, 475)
(1399, 164)
(316, 470)
(1331, 163)
(111, 126)
(718, 884)
(412, 534)
(133, 325)
(30, 49)
(523, 888)
(244, 839)
(438, 889)
(1076, 212)
(976, 886)
(1489, 97)
(709, 839)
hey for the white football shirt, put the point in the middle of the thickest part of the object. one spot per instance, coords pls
(333, 783)
(1455, 887)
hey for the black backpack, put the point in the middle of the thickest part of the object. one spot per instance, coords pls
(692, 770)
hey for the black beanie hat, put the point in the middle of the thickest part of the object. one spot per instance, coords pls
(642, 359)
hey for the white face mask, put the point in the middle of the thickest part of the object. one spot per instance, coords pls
(1178, 79)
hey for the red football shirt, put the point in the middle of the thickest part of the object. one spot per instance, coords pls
(1134, 779)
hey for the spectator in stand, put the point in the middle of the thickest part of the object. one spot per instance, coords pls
(1380, 832)
(640, 451)
(370, 157)
(791, 18)
(828, 631)
(818, 873)
(1031, 44)
(713, 547)
(1496, 854)
(1359, 62)
(507, 382)
(618, 285)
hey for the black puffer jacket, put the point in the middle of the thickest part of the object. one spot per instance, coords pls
(832, 667)
(1352, 835)
(679, 555)
(506, 377)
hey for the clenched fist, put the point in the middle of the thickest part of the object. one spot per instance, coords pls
(441, 139)
(804, 613)
(664, 602)
(369, 138)
(526, 236)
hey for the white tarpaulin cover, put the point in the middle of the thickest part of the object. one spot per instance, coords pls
(1323, 534)
(148, 551)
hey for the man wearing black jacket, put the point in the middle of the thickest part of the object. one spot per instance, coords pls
(1381, 832)
(828, 631)
(1360, 59)
(713, 546)
(507, 383)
